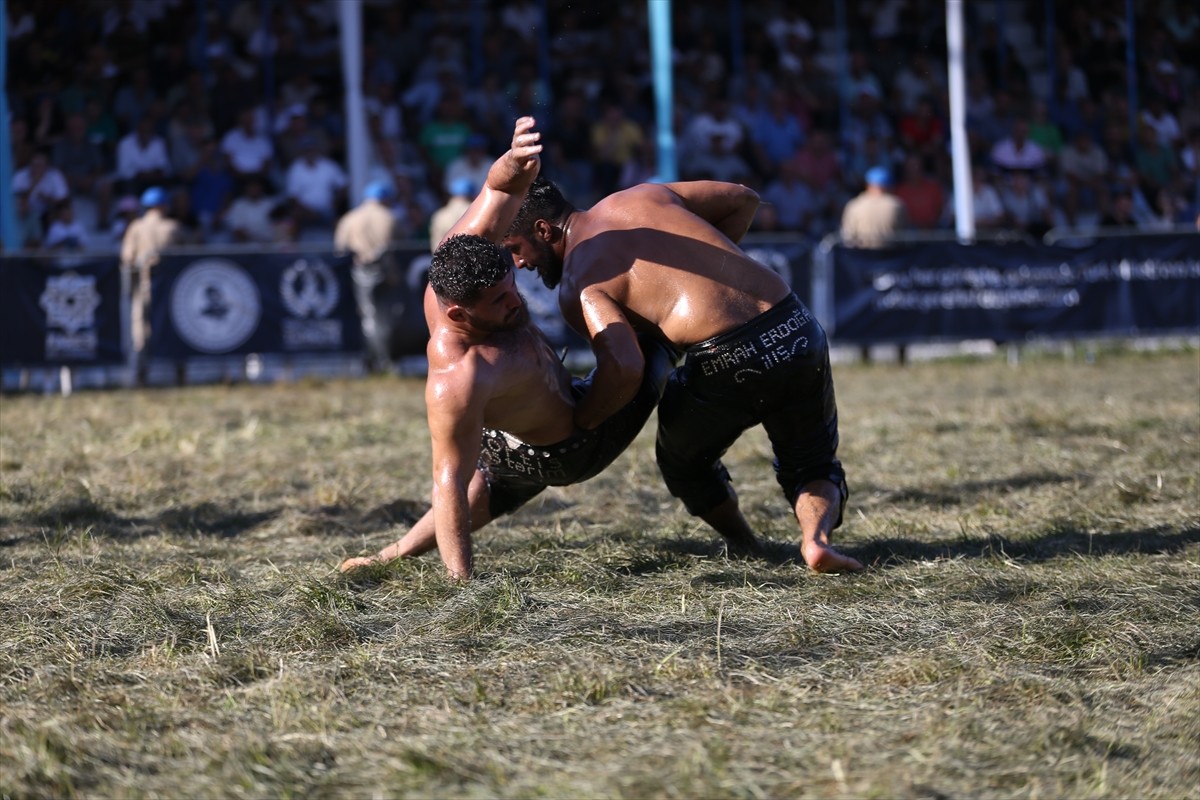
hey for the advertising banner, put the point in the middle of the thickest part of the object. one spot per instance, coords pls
(235, 304)
(944, 290)
(60, 311)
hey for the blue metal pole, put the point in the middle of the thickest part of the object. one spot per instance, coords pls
(1131, 68)
(660, 65)
(268, 69)
(1001, 45)
(843, 60)
(1052, 53)
(735, 37)
(8, 216)
(202, 32)
(478, 14)
(543, 58)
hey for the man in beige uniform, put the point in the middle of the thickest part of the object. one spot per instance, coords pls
(444, 218)
(144, 239)
(872, 218)
(367, 232)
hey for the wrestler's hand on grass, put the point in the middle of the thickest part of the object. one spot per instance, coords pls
(361, 561)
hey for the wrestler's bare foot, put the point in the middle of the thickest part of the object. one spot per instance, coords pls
(823, 558)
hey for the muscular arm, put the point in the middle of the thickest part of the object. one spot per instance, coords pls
(510, 176)
(455, 423)
(728, 207)
(619, 360)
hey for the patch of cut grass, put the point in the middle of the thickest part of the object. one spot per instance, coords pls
(174, 624)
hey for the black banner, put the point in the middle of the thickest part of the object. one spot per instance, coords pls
(235, 304)
(60, 311)
(945, 290)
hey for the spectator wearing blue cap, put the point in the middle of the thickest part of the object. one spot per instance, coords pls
(367, 232)
(143, 242)
(874, 216)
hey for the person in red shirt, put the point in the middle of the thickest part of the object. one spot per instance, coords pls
(921, 130)
(921, 194)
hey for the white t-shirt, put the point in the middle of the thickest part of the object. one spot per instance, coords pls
(1166, 126)
(1007, 155)
(252, 217)
(706, 130)
(314, 185)
(50, 189)
(133, 158)
(70, 234)
(462, 167)
(247, 153)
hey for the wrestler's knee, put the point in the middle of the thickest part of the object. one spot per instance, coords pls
(701, 489)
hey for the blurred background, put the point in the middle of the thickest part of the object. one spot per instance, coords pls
(216, 100)
(1080, 118)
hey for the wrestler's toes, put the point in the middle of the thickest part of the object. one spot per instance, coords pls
(825, 559)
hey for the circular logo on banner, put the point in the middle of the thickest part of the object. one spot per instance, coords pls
(309, 288)
(215, 305)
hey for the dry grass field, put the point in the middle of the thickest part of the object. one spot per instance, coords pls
(172, 623)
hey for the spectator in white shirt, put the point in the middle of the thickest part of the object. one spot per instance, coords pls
(45, 185)
(1016, 153)
(1025, 204)
(249, 152)
(1164, 123)
(141, 158)
(985, 200)
(472, 166)
(523, 18)
(315, 185)
(249, 216)
(66, 233)
(713, 142)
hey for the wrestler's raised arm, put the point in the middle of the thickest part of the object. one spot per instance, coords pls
(498, 202)
(728, 207)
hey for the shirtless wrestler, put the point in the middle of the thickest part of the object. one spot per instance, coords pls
(500, 404)
(662, 259)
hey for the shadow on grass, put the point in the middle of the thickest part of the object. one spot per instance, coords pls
(205, 518)
(964, 491)
(1048, 546)
(892, 552)
(209, 519)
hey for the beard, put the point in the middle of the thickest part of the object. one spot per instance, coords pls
(549, 266)
(517, 318)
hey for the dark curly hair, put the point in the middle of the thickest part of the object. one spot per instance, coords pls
(464, 265)
(542, 201)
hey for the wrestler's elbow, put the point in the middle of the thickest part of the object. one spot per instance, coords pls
(748, 196)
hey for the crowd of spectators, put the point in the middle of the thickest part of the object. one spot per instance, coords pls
(241, 119)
